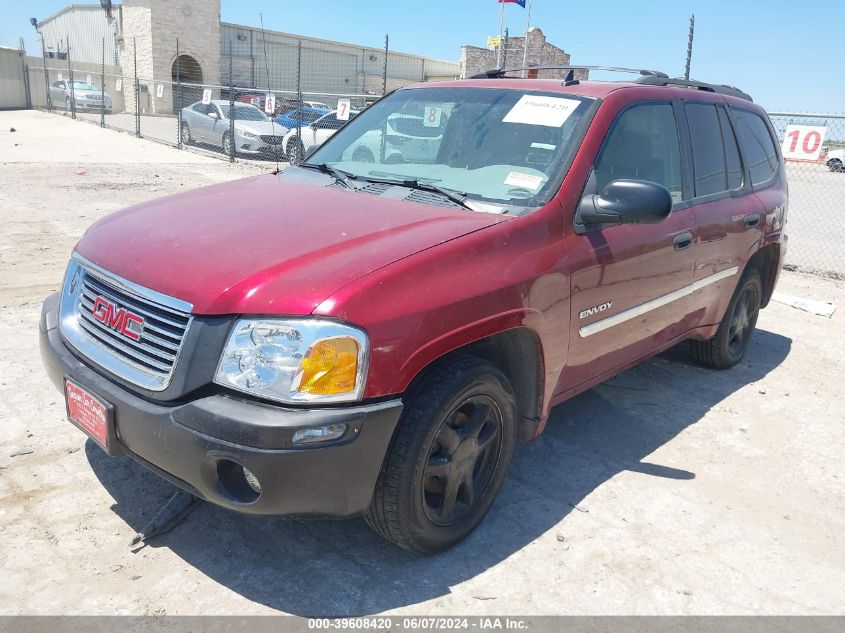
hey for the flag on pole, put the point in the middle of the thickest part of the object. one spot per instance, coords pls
(519, 2)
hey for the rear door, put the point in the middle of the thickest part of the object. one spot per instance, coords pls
(728, 214)
(630, 283)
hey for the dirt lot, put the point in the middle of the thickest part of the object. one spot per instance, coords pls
(669, 490)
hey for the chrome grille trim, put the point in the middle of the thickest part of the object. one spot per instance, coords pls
(148, 362)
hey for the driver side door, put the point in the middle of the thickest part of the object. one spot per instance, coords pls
(630, 283)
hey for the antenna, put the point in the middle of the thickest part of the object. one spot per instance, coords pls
(689, 45)
(267, 73)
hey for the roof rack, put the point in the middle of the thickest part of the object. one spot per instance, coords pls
(721, 89)
(499, 73)
(647, 78)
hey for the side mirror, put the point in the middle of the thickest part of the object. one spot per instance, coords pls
(626, 202)
(213, 115)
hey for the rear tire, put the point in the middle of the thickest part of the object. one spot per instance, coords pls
(187, 139)
(836, 165)
(448, 459)
(733, 337)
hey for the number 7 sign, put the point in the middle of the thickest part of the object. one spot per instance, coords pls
(343, 106)
(803, 142)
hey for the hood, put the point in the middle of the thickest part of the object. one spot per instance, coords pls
(262, 128)
(268, 244)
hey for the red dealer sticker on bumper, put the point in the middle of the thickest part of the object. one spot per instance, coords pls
(87, 412)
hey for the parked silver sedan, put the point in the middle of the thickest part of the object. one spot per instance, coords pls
(87, 96)
(255, 132)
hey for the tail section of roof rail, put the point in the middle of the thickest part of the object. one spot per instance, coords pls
(500, 73)
(721, 89)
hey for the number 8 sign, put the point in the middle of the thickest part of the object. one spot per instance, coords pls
(803, 142)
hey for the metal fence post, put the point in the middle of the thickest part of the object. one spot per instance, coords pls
(232, 150)
(70, 79)
(103, 87)
(504, 45)
(178, 97)
(137, 90)
(384, 75)
(294, 155)
(25, 68)
(48, 96)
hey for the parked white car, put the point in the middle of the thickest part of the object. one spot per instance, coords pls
(836, 159)
(313, 135)
(255, 132)
(408, 140)
(85, 96)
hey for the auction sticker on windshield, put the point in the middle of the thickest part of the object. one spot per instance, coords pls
(529, 181)
(547, 111)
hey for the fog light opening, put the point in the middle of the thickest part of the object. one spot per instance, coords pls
(325, 433)
(238, 482)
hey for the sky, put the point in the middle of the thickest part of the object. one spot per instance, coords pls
(779, 51)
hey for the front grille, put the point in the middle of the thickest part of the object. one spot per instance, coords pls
(150, 360)
(272, 140)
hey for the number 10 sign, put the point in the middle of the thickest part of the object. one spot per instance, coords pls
(803, 142)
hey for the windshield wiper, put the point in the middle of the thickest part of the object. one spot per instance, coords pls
(458, 197)
(339, 175)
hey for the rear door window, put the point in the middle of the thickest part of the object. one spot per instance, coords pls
(757, 145)
(708, 151)
(643, 145)
(732, 159)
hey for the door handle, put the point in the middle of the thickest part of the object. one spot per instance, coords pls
(682, 241)
(752, 220)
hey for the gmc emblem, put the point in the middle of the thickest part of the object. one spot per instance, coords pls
(118, 319)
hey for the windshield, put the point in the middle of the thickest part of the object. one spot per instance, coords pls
(245, 113)
(496, 145)
(82, 85)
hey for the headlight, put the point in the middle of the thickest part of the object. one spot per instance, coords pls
(295, 360)
(246, 134)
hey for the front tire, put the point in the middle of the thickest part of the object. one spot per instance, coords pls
(227, 144)
(449, 457)
(733, 337)
(296, 153)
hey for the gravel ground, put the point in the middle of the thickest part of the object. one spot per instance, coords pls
(669, 490)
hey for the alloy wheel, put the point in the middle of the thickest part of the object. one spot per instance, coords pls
(462, 460)
(743, 319)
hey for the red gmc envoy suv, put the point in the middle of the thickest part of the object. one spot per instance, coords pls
(371, 332)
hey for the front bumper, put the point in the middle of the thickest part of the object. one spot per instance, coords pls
(90, 104)
(201, 445)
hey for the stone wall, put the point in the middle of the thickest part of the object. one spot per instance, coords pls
(540, 52)
(156, 25)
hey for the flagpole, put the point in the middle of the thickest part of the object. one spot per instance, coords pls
(525, 40)
(501, 31)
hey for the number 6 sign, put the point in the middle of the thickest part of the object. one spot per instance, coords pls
(803, 142)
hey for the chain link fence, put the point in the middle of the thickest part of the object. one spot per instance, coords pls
(272, 97)
(816, 190)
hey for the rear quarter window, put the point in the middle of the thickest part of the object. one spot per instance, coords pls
(757, 145)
